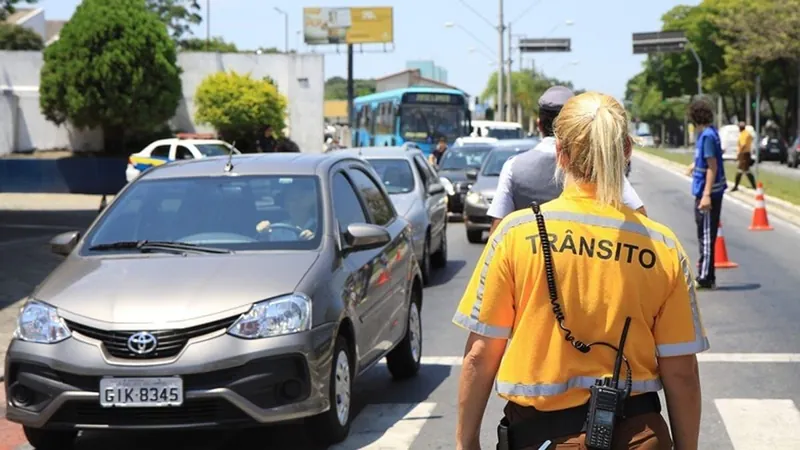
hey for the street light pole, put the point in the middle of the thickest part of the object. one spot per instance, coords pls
(500, 114)
(509, 69)
(208, 25)
(285, 28)
(699, 70)
(758, 123)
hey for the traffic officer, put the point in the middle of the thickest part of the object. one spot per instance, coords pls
(530, 176)
(610, 264)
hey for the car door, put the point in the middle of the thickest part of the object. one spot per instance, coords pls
(183, 152)
(389, 282)
(156, 157)
(435, 204)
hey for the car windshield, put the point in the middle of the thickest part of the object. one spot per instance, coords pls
(219, 212)
(428, 123)
(396, 174)
(495, 161)
(210, 150)
(464, 158)
(505, 133)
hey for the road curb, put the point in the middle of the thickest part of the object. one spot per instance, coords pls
(780, 208)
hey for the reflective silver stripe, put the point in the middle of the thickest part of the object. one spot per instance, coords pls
(700, 342)
(586, 219)
(481, 328)
(547, 390)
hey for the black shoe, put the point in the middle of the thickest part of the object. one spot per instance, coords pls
(705, 285)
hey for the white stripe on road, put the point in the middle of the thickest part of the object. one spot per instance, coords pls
(761, 423)
(701, 357)
(392, 426)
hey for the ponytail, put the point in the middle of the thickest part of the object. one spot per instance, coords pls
(606, 156)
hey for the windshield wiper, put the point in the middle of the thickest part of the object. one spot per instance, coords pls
(146, 246)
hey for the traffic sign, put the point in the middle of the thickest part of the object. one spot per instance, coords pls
(545, 45)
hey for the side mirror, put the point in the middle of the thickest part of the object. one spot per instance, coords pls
(472, 174)
(365, 236)
(436, 189)
(64, 243)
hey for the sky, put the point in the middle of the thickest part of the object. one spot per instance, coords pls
(601, 57)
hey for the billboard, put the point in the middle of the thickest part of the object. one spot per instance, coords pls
(322, 26)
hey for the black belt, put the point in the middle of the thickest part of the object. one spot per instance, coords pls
(548, 425)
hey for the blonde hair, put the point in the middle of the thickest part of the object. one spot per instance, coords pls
(592, 130)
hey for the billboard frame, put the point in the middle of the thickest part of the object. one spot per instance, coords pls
(335, 26)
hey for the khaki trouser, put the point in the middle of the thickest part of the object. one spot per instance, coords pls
(643, 432)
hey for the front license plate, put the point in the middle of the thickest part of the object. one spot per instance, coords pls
(141, 392)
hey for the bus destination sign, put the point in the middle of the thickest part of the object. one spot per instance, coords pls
(439, 99)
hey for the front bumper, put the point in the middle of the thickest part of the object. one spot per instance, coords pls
(475, 217)
(227, 382)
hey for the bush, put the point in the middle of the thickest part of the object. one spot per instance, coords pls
(114, 67)
(239, 107)
(15, 37)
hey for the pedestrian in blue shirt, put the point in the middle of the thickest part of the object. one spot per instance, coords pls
(708, 188)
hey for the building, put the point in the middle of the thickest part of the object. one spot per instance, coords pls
(408, 78)
(428, 70)
(33, 19)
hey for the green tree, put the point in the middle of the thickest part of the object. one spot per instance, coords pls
(114, 67)
(526, 88)
(8, 7)
(15, 37)
(238, 106)
(215, 44)
(178, 15)
(336, 88)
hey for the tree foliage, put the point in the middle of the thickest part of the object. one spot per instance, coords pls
(178, 15)
(336, 88)
(15, 37)
(8, 7)
(526, 88)
(239, 106)
(215, 44)
(114, 67)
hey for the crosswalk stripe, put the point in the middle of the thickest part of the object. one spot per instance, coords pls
(760, 423)
(701, 357)
(393, 426)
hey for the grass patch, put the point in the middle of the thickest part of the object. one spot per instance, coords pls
(776, 185)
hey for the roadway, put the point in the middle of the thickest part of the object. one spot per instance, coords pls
(749, 401)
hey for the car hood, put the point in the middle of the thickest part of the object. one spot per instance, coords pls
(404, 202)
(486, 185)
(168, 288)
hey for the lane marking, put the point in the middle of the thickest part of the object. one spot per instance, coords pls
(393, 426)
(26, 226)
(760, 423)
(453, 361)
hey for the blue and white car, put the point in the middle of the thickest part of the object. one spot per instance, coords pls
(163, 151)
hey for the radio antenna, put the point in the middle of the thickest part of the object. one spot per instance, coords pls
(620, 356)
(229, 164)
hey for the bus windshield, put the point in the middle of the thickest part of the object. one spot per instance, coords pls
(428, 123)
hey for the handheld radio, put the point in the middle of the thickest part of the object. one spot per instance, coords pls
(606, 399)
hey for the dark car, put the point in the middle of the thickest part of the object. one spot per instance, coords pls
(793, 154)
(479, 197)
(773, 147)
(458, 169)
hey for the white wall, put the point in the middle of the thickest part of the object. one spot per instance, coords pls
(300, 78)
(36, 21)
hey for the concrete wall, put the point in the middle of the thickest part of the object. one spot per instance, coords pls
(300, 78)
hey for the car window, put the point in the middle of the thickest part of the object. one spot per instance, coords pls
(463, 158)
(422, 168)
(162, 151)
(181, 152)
(495, 161)
(377, 204)
(396, 174)
(506, 133)
(347, 207)
(210, 150)
(220, 212)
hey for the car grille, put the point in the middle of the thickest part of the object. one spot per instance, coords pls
(168, 342)
(192, 412)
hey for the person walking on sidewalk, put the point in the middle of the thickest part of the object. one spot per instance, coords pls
(744, 160)
(708, 187)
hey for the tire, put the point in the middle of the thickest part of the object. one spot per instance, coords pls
(475, 236)
(425, 264)
(439, 259)
(50, 439)
(328, 428)
(404, 361)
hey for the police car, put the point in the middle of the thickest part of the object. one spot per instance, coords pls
(175, 149)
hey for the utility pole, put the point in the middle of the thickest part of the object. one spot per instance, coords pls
(758, 123)
(285, 28)
(501, 107)
(208, 25)
(699, 70)
(509, 93)
(747, 112)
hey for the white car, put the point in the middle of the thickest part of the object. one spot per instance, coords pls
(729, 137)
(465, 141)
(163, 151)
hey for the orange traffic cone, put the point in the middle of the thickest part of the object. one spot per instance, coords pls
(760, 220)
(721, 260)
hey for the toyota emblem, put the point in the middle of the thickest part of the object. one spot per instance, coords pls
(142, 343)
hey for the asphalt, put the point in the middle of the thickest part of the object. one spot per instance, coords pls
(754, 311)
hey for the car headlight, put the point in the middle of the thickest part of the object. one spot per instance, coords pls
(475, 198)
(448, 186)
(40, 323)
(275, 317)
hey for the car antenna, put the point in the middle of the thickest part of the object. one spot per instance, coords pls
(229, 164)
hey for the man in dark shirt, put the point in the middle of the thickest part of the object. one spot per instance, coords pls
(267, 142)
(437, 153)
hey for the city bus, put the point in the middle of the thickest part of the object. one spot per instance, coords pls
(420, 115)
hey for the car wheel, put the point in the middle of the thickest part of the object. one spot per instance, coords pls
(404, 361)
(439, 259)
(475, 236)
(50, 439)
(333, 426)
(425, 264)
